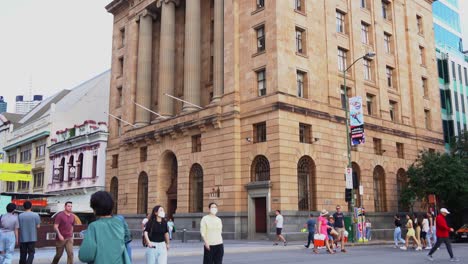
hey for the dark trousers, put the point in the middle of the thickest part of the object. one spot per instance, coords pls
(437, 245)
(27, 250)
(214, 255)
(310, 238)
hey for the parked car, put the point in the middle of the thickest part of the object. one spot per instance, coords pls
(462, 233)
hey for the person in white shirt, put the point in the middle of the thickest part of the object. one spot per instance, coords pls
(211, 229)
(279, 228)
(425, 233)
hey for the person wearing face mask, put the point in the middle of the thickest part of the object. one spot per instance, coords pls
(157, 237)
(211, 228)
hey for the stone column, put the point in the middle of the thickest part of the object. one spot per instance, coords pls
(218, 74)
(167, 57)
(143, 92)
(192, 59)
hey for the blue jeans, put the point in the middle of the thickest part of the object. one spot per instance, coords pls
(7, 246)
(434, 236)
(368, 233)
(397, 236)
(158, 254)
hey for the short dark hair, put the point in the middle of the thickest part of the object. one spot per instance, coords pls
(209, 206)
(27, 205)
(102, 203)
(10, 207)
(278, 211)
(311, 215)
(68, 202)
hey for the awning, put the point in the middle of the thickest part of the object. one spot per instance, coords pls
(80, 203)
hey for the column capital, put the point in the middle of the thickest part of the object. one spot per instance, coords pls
(160, 2)
(145, 13)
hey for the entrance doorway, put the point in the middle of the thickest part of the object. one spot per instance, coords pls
(172, 190)
(260, 215)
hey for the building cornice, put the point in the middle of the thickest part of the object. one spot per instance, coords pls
(115, 5)
(27, 140)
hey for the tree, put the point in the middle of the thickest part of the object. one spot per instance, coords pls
(459, 146)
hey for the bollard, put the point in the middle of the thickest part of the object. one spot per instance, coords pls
(184, 237)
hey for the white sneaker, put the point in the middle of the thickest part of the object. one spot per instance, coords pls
(430, 258)
(403, 248)
(418, 249)
(454, 260)
(428, 248)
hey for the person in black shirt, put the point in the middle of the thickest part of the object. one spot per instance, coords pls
(397, 233)
(157, 237)
(340, 226)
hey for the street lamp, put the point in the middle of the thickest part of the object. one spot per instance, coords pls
(348, 140)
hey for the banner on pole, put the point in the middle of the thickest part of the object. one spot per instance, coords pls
(356, 120)
(349, 178)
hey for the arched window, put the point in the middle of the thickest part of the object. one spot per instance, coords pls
(71, 174)
(79, 167)
(356, 183)
(260, 169)
(62, 169)
(114, 191)
(379, 189)
(402, 184)
(196, 188)
(306, 184)
(142, 204)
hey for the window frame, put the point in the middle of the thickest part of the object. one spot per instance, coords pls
(261, 82)
(342, 59)
(305, 133)
(260, 38)
(340, 21)
(388, 43)
(259, 132)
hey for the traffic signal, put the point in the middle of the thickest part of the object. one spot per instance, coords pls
(348, 195)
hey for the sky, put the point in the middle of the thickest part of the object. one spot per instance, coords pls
(50, 45)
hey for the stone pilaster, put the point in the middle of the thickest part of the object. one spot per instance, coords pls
(167, 57)
(218, 67)
(192, 59)
(143, 93)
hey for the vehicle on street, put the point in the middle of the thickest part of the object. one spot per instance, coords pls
(462, 233)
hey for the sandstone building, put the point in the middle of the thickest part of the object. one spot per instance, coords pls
(270, 133)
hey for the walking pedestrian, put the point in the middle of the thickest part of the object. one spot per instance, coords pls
(322, 228)
(310, 225)
(442, 235)
(433, 231)
(105, 239)
(397, 232)
(340, 226)
(368, 229)
(417, 227)
(29, 222)
(425, 232)
(8, 234)
(157, 237)
(410, 234)
(63, 226)
(211, 229)
(279, 220)
(170, 226)
(143, 226)
(128, 240)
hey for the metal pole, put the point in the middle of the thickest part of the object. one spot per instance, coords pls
(348, 142)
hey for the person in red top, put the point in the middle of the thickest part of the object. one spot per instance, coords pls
(442, 232)
(63, 226)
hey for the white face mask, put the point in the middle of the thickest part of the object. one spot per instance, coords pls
(161, 214)
(213, 211)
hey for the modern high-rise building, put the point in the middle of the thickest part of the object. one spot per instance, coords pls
(3, 105)
(23, 107)
(263, 127)
(452, 68)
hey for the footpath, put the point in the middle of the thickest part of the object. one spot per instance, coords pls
(195, 248)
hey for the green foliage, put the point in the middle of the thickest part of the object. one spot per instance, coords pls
(459, 146)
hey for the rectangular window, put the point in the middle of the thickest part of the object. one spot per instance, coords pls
(388, 43)
(456, 101)
(260, 38)
(196, 143)
(261, 82)
(121, 67)
(389, 73)
(454, 73)
(425, 87)
(462, 104)
(10, 186)
(340, 22)
(400, 150)
(364, 33)
(377, 146)
(302, 84)
(466, 76)
(40, 150)
(12, 158)
(364, 4)
(370, 103)
(23, 186)
(119, 126)
(115, 161)
(260, 4)
(119, 96)
(427, 119)
(448, 129)
(38, 179)
(300, 41)
(94, 172)
(342, 59)
(305, 133)
(420, 24)
(143, 154)
(122, 37)
(393, 109)
(299, 5)
(25, 155)
(459, 128)
(386, 11)
(459, 73)
(343, 96)
(259, 132)
(422, 55)
(367, 69)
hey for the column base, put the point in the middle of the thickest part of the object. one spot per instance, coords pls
(141, 124)
(160, 119)
(215, 100)
(189, 109)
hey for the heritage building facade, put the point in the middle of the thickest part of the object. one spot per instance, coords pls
(270, 131)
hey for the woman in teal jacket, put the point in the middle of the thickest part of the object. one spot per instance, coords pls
(104, 241)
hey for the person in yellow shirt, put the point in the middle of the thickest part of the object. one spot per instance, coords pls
(211, 228)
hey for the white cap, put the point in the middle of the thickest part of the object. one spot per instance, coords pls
(444, 210)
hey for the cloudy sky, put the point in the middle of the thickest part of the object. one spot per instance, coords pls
(49, 45)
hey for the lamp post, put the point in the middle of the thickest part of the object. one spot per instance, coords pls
(348, 140)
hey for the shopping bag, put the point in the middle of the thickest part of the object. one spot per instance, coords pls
(304, 230)
(319, 240)
(345, 234)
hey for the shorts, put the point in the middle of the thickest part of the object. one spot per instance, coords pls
(423, 235)
(278, 231)
(411, 233)
(340, 230)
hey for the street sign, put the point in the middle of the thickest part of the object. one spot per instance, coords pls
(349, 178)
(361, 189)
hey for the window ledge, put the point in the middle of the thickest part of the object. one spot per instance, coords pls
(258, 53)
(300, 12)
(304, 55)
(257, 10)
(421, 34)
